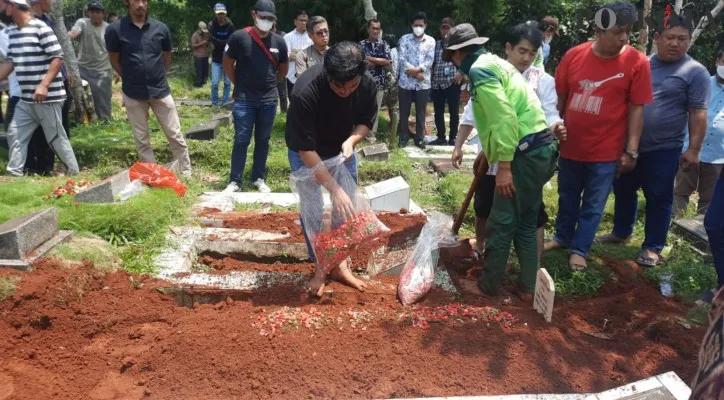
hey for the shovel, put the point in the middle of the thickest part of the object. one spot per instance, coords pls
(482, 169)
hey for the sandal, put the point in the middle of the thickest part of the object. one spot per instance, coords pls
(576, 266)
(612, 239)
(649, 262)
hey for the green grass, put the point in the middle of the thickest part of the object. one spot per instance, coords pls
(8, 286)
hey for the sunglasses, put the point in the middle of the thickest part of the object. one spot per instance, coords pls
(322, 32)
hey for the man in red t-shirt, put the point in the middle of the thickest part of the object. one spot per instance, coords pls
(602, 87)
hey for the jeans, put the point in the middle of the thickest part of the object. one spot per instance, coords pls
(583, 189)
(202, 70)
(251, 115)
(296, 162)
(440, 97)
(421, 97)
(217, 71)
(654, 173)
(714, 225)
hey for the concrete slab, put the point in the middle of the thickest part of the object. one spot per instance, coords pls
(377, 152)
(239, 280)
(27, 262)
(204, 131)
(444, 167)
(105, 191)
(225, 118)
(20, 236)
(254, 243)
(390, 195)
(693, 230)
(206, 103)
(417, 154)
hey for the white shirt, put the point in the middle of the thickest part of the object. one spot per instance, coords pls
(296, 41)
(544, 86)
(12, 79)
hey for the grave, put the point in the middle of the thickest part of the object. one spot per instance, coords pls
(204, 131)
(444, 167)
(693, 230)
(378, 152)
(545, 294)
(205, 103)
(390, 195)
(25, 239)
(225, 118)
(106, 190)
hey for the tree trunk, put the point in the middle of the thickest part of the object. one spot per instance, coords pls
(369, 10)
(645, 29)
(83, 109)
(704, 21)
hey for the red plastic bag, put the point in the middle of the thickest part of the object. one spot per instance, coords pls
(157, 176)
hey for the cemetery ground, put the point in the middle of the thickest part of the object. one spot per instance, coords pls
(92, 319)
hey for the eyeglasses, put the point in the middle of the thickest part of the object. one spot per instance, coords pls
(322, 32)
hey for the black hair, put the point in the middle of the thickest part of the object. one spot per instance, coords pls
(625, 12)
(314, 21)
(344, 61)
(529, 31)
(373, 20)
(674, 21)
(418, 15)
(300, 12)
(112, 14)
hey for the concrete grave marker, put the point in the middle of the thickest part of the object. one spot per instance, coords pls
(225, 118)
(445, 167)
(205, 131)
(390, 195)
(206, 103)
(377, 152)
(106, 190)
(24, 239)
(545, 293)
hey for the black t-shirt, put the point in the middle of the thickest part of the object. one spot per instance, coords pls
(319, 120)
(256, 75)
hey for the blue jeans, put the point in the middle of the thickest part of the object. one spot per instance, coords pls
(296, 162)
(217, 71)
(249, 114)
(655, 173)
(714, 225)
(583, 188)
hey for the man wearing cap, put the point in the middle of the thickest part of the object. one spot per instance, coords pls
(140, 51)
(201, 45)
(514, 133)
(445, 89)
(220, 30)
(35, 55)
(549, 26)
(378, 56)
(93, 62)
(256, 59)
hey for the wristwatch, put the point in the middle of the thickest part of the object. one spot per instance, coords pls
(633, 154)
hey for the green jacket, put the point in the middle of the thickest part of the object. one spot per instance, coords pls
(505, 107)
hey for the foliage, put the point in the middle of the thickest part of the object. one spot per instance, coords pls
(691, 274)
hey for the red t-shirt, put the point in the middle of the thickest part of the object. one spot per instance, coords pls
(598, 91)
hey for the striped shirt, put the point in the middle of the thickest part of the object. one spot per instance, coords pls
(296, 41)
(32, 48)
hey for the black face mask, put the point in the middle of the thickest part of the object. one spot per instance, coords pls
(5, 19)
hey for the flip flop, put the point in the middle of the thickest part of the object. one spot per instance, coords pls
(577, 267)
(649, 262)
(611, 239)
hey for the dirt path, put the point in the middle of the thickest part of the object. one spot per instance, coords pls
(77, 333)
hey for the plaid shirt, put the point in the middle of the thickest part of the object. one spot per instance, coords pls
(378, 49)
(443, 73)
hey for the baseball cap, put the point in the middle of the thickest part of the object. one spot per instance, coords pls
(220, 8)
(550, 21)
(266, 8)
(447, 21)
(20, 2)
(203, 27)
(95, 5)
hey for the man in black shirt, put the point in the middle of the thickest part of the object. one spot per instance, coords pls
(256, 60)
(332, 108)
(220, 30)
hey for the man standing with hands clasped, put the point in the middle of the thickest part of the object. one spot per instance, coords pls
(378, 55)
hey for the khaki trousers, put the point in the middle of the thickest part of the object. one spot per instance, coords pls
(702, 179)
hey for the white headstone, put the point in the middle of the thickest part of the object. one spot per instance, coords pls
(545, 293)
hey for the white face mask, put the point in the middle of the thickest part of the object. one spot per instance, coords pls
(720, 71)
(418, 30)
(264, 25)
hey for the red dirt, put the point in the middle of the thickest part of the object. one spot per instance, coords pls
(222, 264)
(79, 333)
(280, 222)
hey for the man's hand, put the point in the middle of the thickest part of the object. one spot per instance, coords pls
(412, 71)
(479, 160)
(689, 159)
(342, 203)
(626, 164)
(504, 181)
(420, 76)
(41, 93)
(560, 130)
(347, 148)
(457, 157)
(458, 78)
(293, 55)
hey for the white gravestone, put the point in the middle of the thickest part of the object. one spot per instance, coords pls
(545, 293)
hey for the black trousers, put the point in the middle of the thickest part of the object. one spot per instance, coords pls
(202, 70)
(41, 157)
(282, 89)
(451, 97)
(421, 98)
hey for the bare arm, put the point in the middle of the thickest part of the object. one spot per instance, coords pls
(73, 35)
(5, 70)
(561, 106)
(697, 128)
(635, 126)
(379, 61)
(229, 69)
(301, 65)
(283, 69)
(53, 71)
(116, 62)
(167, 60)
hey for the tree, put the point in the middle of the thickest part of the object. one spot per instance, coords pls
(83, 107)
(369, 10)
(704, 21)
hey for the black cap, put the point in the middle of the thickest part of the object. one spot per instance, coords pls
(95, 5)
(460, 36)
(266, 8)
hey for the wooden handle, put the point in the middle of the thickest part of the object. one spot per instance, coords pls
(482, 169)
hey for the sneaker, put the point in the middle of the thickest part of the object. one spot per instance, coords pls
(232, 187)
(420, 144)
(259, 183)
(451, 142)
(404, 142)
(438, 142)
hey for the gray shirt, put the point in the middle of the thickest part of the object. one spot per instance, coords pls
(92, 53)
(677, 86)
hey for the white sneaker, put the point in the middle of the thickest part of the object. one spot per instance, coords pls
(232, 187)
(259, 183)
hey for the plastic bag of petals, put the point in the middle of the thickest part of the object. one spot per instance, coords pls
(341, 225)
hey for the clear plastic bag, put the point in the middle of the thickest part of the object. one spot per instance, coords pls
(418, 274)
(334, 237)
(135, 187)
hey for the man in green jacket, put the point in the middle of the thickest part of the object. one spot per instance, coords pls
(514, 133)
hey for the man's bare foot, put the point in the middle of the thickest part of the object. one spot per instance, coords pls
(344, 275)
(524, 296)
(551, 244)
(471, 286)
(577, 263)
(316, 285)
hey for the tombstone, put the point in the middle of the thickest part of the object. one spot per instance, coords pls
(390, 195)
(377, 152)
(106, 190)
(205, 131)
(445, 167)
(206, 103)
(545, 293)
(693, 230)
(224, 118)
(26, 238)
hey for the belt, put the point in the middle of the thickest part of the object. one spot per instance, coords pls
(535, 140)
